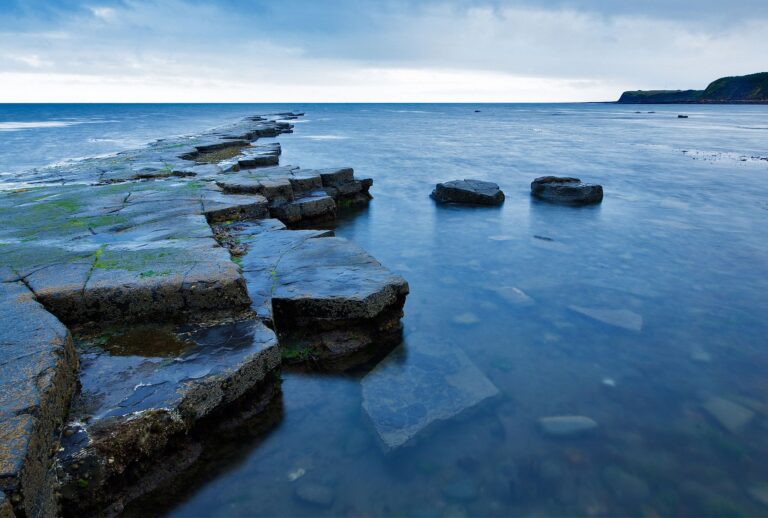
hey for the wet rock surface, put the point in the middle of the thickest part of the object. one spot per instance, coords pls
(139, 254)
(437, 383)
(39, 368)
(146, 387)
(325, 295)
(566, 190)
(472, 192)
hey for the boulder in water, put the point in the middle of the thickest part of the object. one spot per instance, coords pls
(571, 191)
(474, 192)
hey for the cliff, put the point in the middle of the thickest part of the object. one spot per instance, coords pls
(751, 88)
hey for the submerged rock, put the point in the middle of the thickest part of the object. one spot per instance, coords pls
(130, 253)
(623, 318)
(731, 416)
(315, 494)
(566, 425)
(759, 493)
(466, 318)
(437, 383)
(463, 490)
(625, 486)
(473, 192)
(566, 190)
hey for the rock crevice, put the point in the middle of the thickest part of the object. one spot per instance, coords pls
(168, 310)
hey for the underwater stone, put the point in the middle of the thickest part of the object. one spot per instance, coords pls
(623, 318)
(315, 494)
(759, 493)
(566, 425)
(731, 416)
(463, 490)
(625, 486)
(438, 382)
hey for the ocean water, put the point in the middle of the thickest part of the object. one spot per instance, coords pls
(647, 313)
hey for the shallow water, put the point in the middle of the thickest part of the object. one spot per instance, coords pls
(643, 313)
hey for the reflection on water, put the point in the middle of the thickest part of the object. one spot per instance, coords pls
(646, 314)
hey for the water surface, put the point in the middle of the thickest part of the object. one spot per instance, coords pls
(674, 263)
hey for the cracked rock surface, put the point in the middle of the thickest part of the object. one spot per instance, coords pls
(166, 262)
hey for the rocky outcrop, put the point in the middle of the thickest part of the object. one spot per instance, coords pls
(473, 192)
(152, 251)
(330, 299)
(296, 195)
(144, 389)
(326, 298)
(37, 380)
(566, 190)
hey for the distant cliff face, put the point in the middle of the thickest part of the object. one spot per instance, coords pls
(752, 88)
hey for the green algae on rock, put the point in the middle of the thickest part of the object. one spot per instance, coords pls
(171, 324)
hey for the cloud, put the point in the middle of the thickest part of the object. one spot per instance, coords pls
(385, 50)
(107, 14)
(31, 60)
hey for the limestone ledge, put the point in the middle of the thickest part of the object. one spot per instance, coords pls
(128, 239)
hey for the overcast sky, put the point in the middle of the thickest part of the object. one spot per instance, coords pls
(374, 50)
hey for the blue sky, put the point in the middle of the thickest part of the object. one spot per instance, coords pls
(384, 50)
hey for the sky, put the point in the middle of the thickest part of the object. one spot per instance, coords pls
(371, 50)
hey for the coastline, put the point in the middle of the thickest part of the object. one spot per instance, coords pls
(193, 241)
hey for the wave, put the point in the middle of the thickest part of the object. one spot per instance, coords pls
(19, 126)
(324, 137)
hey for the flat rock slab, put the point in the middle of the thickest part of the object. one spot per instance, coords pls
(333, 278)
(473, 192)
(163, 158)
(436, 382)
(731, 416)
(131, 251)
(150, 384)
(267, 241)
(622, 318)
(330, 298)
(295, 194)
(567, 425)
(260, 156)
(327, 297)
(39, 367)
(566, 190)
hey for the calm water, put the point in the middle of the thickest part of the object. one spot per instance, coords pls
(675, 258)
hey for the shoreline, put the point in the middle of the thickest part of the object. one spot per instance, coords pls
(171, 286)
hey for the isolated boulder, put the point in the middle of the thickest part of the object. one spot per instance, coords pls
(566, 190)
(475, 192)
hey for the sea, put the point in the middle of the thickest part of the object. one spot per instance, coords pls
(646, 314)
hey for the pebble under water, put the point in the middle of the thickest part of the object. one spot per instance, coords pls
(643, 317)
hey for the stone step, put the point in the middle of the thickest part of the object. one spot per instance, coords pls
(327, 298)
(315, 205)
(145, 387)
(259, 156)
